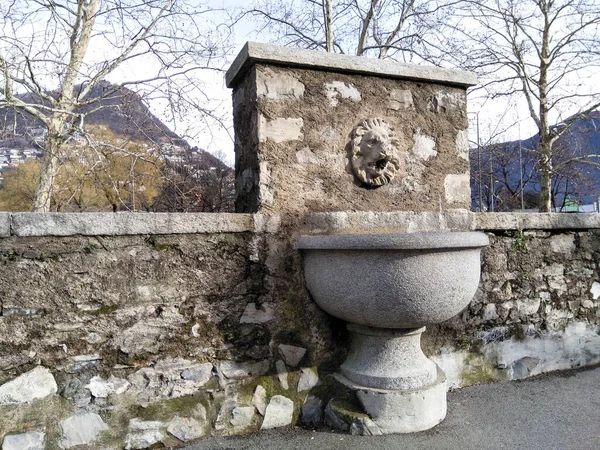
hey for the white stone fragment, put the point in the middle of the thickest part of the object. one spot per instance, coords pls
(24, 441)
(279, 413)
(81, 428)
(226, 412)
(101, 388)
(200, 373)
(282, 374)
(280, 129)
(291, 354)
(457, 188)
(259, 399)
(337, 90)
(400, 99)
(143, 434)
(252, 314)
(587, 304)
(242, 416)
(462, 144)
(489, 312)
(308, 379)
(37, 383)
(595, 290)
(562, 243)
(277, 86)
(181, 388)
(186, 428)
(265, 188)
(306, 156)
(424, 147)
(237, 370)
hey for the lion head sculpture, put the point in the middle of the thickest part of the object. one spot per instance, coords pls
(374, 160)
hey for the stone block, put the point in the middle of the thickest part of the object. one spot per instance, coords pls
(424, 147)
(291, 354)
(458, 188)
(242, 417)
(259, 399)
(400, 99)
(252, 314)
(120, 224)
(280, 85)
(338, 90)
(279, 413)
(101, 388)
(5, 221)
(33, 440)
(308, 379)
(143, 434)
(312, 411)
(239, 370)
(82, 428)
(282, 374)
(186, 428)
(280, 129)
(462, 144)
(37, 383)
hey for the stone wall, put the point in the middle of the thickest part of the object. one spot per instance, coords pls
(140, 328)
(129, 329)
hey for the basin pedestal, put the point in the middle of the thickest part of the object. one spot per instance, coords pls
(401, 389)
(388, 287)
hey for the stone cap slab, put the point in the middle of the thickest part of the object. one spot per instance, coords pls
(537, 221)
(254, 52)
(115, 224)
(4, 224)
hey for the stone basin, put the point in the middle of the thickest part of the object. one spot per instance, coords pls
(393, 280)
(389, 287)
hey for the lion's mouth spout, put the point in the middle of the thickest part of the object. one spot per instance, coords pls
(380, 164)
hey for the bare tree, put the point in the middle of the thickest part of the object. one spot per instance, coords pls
(399, 29)
(548, 51)
(55, 53)
(196, 182)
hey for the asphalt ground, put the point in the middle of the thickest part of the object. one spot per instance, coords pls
(558, 411)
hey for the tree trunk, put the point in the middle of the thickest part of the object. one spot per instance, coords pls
(43, 193)
(545, 161)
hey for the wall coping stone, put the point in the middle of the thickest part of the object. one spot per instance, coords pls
(115, 224)
(450, 220)
(123, 224)
(254, 52)
(4, 224)
(536, 221)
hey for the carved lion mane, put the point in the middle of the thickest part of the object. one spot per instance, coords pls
(374, 160)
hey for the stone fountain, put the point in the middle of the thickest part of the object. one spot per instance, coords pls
(388, 288)
(363, 150)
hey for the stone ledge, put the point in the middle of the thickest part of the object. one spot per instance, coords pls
(114, 224)
(388, 222)
(536, 221)
(254, 52)
(4, 224)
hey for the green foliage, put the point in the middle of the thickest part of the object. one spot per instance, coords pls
(519, 240)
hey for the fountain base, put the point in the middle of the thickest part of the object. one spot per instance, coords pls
(401, 410)
(400, 389)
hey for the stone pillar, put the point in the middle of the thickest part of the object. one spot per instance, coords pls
(303, 122)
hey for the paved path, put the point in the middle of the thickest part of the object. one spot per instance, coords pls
(555, 412)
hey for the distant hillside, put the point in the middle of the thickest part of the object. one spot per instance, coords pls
(502, 166)
(123, 112)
